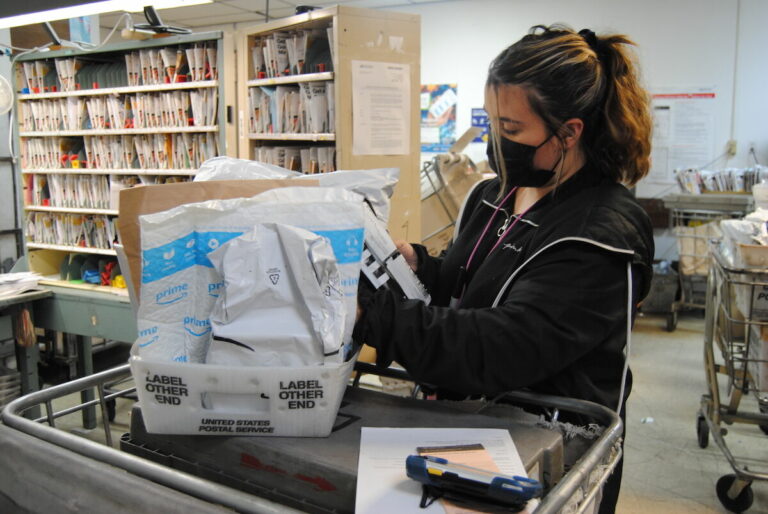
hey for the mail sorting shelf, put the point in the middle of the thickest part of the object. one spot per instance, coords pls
(736, 325)
(221, 474)
(694, 220)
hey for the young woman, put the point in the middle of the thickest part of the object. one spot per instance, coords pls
(550, 258)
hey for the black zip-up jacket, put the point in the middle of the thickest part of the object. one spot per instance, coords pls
(547, 310)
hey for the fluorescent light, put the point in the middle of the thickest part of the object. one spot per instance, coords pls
(64, 13)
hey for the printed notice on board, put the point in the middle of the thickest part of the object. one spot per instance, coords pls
(683, 131)
(381, 108)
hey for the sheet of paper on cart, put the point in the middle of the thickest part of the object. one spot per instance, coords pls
(17, 283)
(382, 485)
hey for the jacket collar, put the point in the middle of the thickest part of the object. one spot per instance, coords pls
(587, 176)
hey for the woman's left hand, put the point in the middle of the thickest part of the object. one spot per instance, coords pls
(408, 253)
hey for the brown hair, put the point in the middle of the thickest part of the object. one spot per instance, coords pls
(580, 75)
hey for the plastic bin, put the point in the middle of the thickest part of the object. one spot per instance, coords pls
(662, 295)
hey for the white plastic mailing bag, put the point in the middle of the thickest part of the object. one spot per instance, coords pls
(382, 263)
(229, 168)
(179, 284)
(281, 304)
(376, 185)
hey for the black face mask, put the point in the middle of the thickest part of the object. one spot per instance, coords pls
(518, 162)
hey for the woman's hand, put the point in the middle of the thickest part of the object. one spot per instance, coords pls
(408, 253)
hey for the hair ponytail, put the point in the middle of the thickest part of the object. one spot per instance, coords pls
(624, 143)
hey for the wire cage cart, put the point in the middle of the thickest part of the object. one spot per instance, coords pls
(445, 180)
(736, 352)
(433, 187)
(110, 480)
(694, 220)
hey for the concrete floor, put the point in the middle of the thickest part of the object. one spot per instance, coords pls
(665, 471)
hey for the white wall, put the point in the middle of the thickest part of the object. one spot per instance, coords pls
(681, 43)
(750, 111)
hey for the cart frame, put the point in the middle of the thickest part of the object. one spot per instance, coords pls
(693, 249)
(577, 488)
(734, 336)
(433, 184)
(688, 210)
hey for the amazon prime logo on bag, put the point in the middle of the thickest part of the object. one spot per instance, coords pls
(172, 295)
(197, 327)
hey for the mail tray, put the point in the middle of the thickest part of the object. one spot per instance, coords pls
(187, 398)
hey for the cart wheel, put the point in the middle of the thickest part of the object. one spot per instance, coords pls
(671, 321)
(702, 431)
(111, 410)
(739, 504)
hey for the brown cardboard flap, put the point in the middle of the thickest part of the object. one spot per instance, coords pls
(140, 200)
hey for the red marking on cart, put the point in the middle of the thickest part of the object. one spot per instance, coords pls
(321, 484)
(249, 461)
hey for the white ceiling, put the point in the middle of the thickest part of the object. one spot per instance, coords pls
(222, 12)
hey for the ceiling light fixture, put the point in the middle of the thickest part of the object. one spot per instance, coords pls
(88, 9)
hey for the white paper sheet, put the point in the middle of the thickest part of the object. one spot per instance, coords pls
(17, 283)
(382, 485)
(683, 130)
(381, 106)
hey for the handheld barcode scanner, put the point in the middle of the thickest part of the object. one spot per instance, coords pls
(466, 484)
(376, 269)
(383, 266)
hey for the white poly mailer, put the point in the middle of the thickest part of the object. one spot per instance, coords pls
(376, 185)
(230, 168)
(281, 303)
(180, 285)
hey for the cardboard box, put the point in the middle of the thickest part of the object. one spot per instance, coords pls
(753, 255)
(440, 209)
(459, 181)
(188, 398)
(752, 296)
(751, 290)
(150, 199)
(436, 216)
(438, 242)
(693, 247)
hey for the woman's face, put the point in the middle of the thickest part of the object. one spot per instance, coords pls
(512, 117)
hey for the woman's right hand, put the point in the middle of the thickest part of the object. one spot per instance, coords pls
(408, 253)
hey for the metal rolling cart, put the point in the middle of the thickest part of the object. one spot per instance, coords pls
(694, 221)
(736, 349)
(157, 473)
(445, 180)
